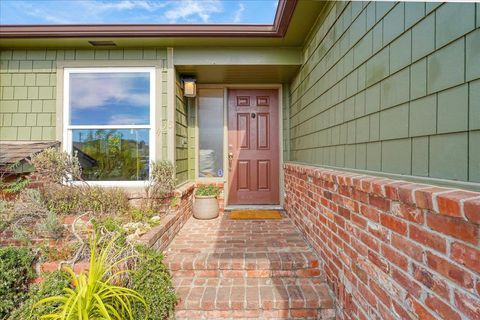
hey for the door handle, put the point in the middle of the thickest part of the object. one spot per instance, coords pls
(230, 159)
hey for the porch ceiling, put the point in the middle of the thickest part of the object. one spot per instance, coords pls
(240, 74)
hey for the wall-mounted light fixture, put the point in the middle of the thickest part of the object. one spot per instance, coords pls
(189, 86)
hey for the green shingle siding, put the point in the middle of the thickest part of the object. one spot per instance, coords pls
(28, 87)
(386, 94)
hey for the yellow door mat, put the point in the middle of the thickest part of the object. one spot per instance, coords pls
(255, 214)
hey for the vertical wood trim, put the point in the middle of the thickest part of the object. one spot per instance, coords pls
(170, 106)
(158, 113)
(281, 181)
(59, 106)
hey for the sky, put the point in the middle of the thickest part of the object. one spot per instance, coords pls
(137, 11)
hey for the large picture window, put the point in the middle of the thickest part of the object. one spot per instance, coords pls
(109, 121)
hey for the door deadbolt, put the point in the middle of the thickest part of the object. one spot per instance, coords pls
(253, 115)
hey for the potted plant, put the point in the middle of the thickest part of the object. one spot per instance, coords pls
(205, 205)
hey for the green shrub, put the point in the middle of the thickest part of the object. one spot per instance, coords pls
(14, 186)
(56, 166)
(152, 280)
(16, 272)
(77, 200)
(160, 185)
(97, 294)
(52, 226)
(53, 284)
(207, 190)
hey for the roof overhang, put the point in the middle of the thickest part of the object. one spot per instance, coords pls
(283, 15)
(293, 20)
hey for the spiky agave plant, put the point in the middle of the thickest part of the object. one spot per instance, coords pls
(96, 294)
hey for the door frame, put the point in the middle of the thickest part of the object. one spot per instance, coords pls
(225, 177)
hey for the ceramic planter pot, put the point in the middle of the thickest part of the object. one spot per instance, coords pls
(205, 207)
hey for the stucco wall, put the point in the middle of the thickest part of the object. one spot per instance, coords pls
(28, 87)
(391, 87)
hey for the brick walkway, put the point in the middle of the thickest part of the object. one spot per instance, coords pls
(226, 268)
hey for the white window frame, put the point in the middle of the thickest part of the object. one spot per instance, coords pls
(67, 128)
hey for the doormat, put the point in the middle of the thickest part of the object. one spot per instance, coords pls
(255, 215)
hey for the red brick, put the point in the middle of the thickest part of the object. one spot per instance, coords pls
(454, 227)
(406, 282)
(369, 241)
(344, 212)
(467, 256)
(400, 311)
(424, 197)
(449, 203)
(49, 266)
(81, 266)
(419, 310)
(379, 232)
(391, 189)
(208, 299)
(379, 202)
(237, 298)
(367, 294)
(381, 294)
(449, 270)
(385, 314)
(406, 191)
(408, 212)
(393, 223)
(431, 281)
(304, 313)
(370, 213)
(395, 257)
(380, 262)
(428, 238)
(468, 304)
(378, 186)
(360, 196)
(358, 220)
(441, 308)
(409, 248)
(472, 210)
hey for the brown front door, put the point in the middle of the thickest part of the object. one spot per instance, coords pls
(253, 147)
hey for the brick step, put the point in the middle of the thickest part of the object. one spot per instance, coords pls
(261, 263)
(253, 297)
(317, 314)
(299, 273)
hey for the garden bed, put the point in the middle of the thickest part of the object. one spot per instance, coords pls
(49, 225)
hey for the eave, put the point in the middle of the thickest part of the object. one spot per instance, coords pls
(283, 16)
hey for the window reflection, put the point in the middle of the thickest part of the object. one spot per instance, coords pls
(112, 154)
(116, 98)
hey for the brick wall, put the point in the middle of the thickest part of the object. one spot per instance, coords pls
(391, 249)
(160, 237)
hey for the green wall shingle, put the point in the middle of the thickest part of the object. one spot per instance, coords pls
(446, 67)
(453, 109)
(28, 87)
(392, 106)
(448, 156)
(423, 116)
